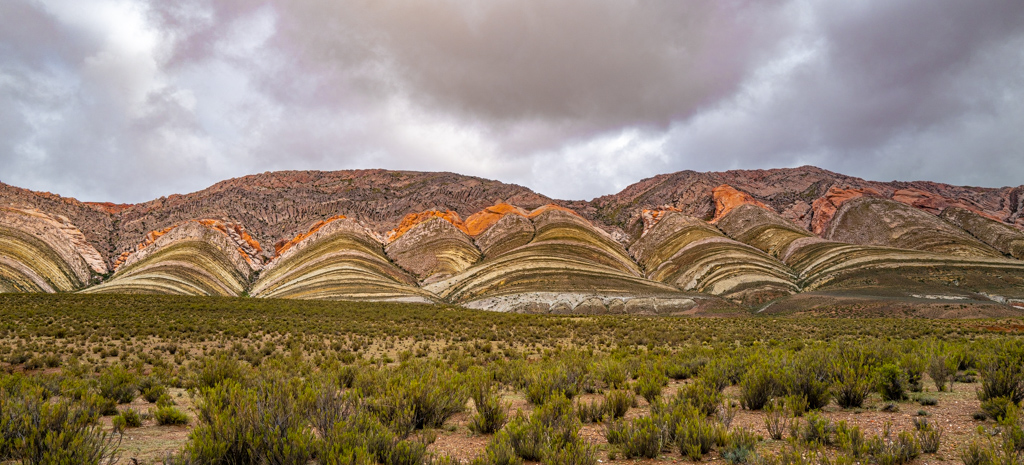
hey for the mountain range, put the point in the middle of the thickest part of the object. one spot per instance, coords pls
(784, 240)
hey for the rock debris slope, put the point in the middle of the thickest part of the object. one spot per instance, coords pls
(675, 243)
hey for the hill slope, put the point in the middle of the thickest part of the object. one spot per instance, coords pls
(678, 242)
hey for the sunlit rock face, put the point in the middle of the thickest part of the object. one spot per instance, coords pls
(341, 260)
(44, 253)
(194, 258)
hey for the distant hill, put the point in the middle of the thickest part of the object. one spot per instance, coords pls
(676, 243)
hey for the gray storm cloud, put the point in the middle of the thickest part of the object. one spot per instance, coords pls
(130, 100)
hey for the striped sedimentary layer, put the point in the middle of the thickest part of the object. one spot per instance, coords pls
(44, 253)
(567, 265)
(1001, 236)
(695, 256)
(341, 260)
(433, 250)
(193, 258)
(887, 223)
(819, 263)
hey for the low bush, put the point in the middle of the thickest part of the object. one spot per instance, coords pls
(118, 384)
(810, 377)
(758, 387)
(817, 430)
(941, 369)
(696, 436)
(499, 451)
(1003, 377)
(128, 418)
(776, 419)
(852, 383)
(892, 383)
(491, 412)
(170, 416)
(740, 446)
(929, 436)
(38, 432)
(618, 402)
(591, 412)
(642, 438)
(886, 451)
(650, 383)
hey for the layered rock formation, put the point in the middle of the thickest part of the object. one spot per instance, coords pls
(44, 253)
(339, 260)
(567, 266)
(1001, 236)
(747, 236)
(193, 258)
(433, 250)
(695, 256)
(873, 221)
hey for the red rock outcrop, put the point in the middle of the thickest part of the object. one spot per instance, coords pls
(413, 219)
(545, 208)
(248, 248)
(825, 207)
(482, 220)
(727, 198)
(935, 203)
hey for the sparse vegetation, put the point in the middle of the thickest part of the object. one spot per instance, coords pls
(296, 382)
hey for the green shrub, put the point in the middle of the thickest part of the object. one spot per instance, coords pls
(118, 384)
(590, 412)
(810, 377)
(263, 423)
(904, 449)
(852, 384)
(642, 438)
(696, 436)
(758, 387)
(740, 447)
(421, 396)
(892, 383)
(1003, 377)
(941, 369)
(551, 426)
(499, 451)
(128, 418)
(817, 430)
(547, 382)
(613, 373)
(212, 371)
(927, 435)
(703, 396)
(927, 401)
(154, 392)
(491, 413)
(914, 366)
(575, 452)
(850, 439)
(649, 384)
(618, 402)
(170, 416)
(37, 432)
(404, 452)
(997, 407)
(976, 453)
(776, 419)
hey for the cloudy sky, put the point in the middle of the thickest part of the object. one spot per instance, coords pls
(128, 100)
